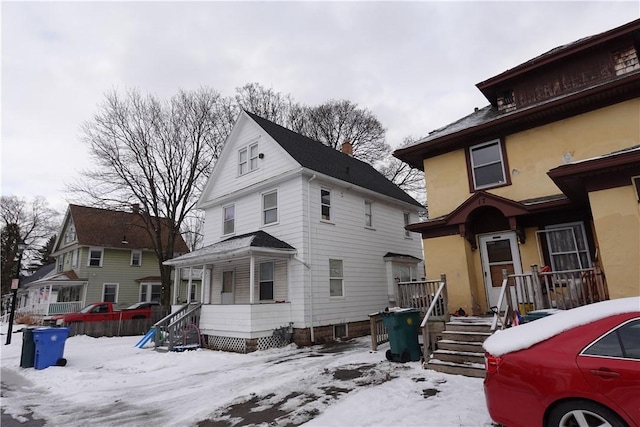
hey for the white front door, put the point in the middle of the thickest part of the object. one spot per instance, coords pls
(228, 287)
(498, 251)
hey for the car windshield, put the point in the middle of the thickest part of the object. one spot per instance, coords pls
(134, 306)
(87, 309)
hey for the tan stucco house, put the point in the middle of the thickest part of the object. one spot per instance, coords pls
(547, 174)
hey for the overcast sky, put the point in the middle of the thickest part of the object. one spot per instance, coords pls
(413, 64)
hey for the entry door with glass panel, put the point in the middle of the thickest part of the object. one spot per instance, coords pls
(228, 287)
(498, 251)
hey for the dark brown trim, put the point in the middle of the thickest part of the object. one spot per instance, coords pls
(556, 54)
(617, 91)
(505, 165)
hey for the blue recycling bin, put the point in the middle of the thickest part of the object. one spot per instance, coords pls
(49, 347)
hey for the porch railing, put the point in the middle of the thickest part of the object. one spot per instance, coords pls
(537, 290)
(179, 329)
(428, 296)
(50, 309)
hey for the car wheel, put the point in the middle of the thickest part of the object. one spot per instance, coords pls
(582, 413)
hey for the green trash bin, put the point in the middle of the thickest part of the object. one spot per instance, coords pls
(28, 349)
(402, 326)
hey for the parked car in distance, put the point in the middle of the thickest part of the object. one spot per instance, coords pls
(577, 368)
(143, 305)
(102, 311)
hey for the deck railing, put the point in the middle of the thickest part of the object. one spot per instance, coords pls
(179, 328)
(428, 296)
(536, 290)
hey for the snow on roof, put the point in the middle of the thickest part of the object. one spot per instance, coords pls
(529, 334)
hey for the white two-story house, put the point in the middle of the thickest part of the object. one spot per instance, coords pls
(298, 236)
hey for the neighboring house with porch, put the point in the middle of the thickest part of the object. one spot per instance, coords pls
(546, 175)
(299, 238)
(101, 255)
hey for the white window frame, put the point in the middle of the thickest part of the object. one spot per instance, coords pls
(474, 166)
(226, 221)
(70, 234)
(146, 291)
(569, 226)
(271, 208)
(133, 253)
(335, 277)
(406, 219)
(74, 258)
(60, 264)
(368, 214)
(324, 205)
(104, 288)
(262, 280)
(101, 257)
(248, 159)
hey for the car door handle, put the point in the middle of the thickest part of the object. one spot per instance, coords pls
(604, 373)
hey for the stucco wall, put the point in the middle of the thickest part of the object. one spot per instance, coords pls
(616, 216)
(534, 152)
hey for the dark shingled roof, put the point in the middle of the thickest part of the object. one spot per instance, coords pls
(262, 239)
(106, 228)
(320, 158)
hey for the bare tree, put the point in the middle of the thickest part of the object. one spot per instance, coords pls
(28, 221)
(404, 176)
(336, 121)
(154, 153)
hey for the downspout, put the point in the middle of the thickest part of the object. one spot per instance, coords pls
(309, 275)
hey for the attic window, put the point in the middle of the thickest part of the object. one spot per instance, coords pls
(506, 101)
(248, 159)
(70, 235)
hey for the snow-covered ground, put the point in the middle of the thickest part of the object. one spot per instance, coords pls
(109, 382)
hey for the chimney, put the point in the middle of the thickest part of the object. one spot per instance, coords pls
(135, 208)
(347, 148)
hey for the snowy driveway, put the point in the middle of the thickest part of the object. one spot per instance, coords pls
(108, 382)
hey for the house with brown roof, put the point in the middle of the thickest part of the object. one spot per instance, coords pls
(547, 174)
(101, 255)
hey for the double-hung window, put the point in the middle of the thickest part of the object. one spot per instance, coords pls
(406, 218)
(248, 159)
(336, 278)
(95, 257)
(229, 220)
(487, 165)
(270, 207)
(136, 258)
(150, 292)
(368, 214)
(567, 245)
(110, 292)
(266, 281)
(325, 203)
(74, 259)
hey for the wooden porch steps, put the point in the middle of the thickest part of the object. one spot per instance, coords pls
(459, 351)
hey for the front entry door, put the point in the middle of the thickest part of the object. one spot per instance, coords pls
(498, 251)
(228, 286)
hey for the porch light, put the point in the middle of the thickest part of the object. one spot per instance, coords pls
(15, 283)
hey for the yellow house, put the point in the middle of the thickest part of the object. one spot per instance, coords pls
(546, 175)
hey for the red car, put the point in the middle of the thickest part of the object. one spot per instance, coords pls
(580, 368)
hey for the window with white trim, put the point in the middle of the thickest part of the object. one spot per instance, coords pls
(406, 217)
(70, 234)
(229, 219)
(136, 258)
(266, 281)
(150, 292)
(487, 165)
(567, 245)
(368, 214)
(325, 203)
(110, 292)
(95, 257)
(336, 278)
(74, 259)
(60, 267)
(270, 207)
(248, 159)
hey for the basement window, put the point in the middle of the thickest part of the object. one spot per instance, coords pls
(340, 331)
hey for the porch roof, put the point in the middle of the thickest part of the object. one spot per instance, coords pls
(65, 278)
(256, 243)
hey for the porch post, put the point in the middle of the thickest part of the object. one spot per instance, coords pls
(203, 274)
(176, 281)
(252, 278)
(49, 295)
(189, 285)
